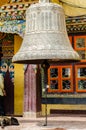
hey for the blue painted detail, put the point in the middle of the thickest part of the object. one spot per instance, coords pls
(64, 100)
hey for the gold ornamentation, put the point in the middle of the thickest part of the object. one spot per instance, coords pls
(2, 35)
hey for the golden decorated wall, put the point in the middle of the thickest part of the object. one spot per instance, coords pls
(18, 81)
(2, 2)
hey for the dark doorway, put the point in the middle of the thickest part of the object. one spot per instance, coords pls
(9, 98)
(7, 70)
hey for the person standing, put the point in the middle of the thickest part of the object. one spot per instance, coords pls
(2, 113)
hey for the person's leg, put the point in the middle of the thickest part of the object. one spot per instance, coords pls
(2, 113)
(0, 105)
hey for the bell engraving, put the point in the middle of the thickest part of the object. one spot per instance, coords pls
(45, 35)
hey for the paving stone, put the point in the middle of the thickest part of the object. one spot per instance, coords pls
(54, 123)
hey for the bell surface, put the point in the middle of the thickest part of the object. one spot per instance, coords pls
(45, 36)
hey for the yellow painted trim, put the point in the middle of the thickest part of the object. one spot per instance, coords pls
(62, 107)
(55, 1)
(18, 80)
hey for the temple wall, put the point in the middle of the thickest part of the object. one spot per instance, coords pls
(18, 81)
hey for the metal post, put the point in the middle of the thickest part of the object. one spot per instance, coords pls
(45, 65)
(45, 106)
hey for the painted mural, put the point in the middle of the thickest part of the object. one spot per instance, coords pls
(7, 51)
(7, 69)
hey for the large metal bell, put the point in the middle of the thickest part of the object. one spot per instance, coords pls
(45, 36)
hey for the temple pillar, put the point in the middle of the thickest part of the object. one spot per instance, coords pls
(32, 92)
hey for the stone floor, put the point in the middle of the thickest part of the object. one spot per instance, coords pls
(57, 122)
